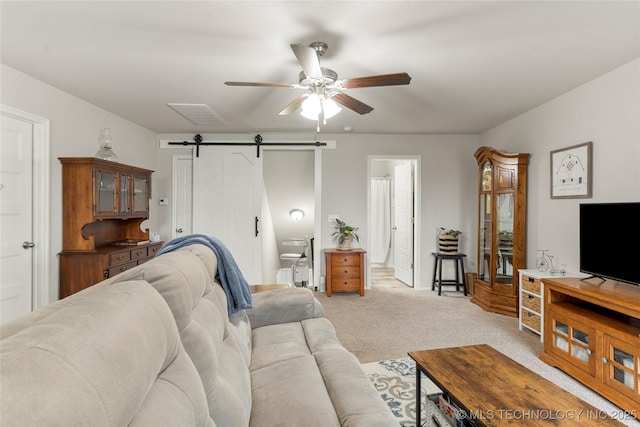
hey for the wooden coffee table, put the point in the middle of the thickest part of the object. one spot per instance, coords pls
(491, 390)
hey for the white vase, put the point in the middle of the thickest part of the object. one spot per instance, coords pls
(346, 245)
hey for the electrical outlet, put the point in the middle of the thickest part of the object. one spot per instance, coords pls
(333, 217)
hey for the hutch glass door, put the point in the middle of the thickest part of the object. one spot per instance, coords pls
(140, 194)
(106, 192)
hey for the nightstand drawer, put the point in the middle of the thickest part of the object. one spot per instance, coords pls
(345, 285)
(346, 271)
(346, 259)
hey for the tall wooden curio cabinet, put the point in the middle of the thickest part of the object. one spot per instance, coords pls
(502, 209)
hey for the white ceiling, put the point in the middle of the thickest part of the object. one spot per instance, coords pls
(473, 64)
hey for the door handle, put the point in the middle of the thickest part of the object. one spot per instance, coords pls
(178, 230)
(28, 245)
(257, 232)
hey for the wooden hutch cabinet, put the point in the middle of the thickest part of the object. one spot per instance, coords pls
(103, 202)
(502, 208)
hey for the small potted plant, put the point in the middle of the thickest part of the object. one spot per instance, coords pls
(448, 240)
(345, 234)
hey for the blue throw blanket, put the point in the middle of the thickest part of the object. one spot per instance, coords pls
(233, 282)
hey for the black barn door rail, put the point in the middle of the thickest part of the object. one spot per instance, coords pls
(197, 141)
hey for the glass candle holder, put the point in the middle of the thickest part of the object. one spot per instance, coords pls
(105, 147)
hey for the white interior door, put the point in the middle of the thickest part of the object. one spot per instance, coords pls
(182, 196)
(16, 213)
(227, 203)
(403, 223)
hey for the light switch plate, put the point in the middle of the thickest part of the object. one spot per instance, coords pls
(163, 201)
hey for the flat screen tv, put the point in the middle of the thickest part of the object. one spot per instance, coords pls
(610, 241)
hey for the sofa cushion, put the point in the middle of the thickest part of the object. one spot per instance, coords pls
(219, 347)
(291, 393)
(283, 306)
(302, 375)
(107, 356)
(356, 402)
(273, 344)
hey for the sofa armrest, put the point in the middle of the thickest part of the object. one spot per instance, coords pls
(283, 306)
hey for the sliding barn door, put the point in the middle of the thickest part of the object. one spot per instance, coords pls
(227, 203)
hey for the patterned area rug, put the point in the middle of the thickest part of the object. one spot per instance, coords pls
(395, 380)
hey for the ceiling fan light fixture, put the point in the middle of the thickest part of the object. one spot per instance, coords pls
(323, 84)
(311, 107)
(330, 108)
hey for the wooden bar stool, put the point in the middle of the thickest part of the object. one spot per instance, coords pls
(460, 279)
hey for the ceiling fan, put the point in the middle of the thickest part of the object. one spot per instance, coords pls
(324, 87)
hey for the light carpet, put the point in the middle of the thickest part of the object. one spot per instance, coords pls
(395, 380)
(389, 322)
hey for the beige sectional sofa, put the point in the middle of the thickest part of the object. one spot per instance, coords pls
(156, 346)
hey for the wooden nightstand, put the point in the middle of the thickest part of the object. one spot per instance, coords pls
(345, 270)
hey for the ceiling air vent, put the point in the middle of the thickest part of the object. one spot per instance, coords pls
(198, 114)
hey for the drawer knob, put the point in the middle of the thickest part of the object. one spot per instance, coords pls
(123, 269)
(531, 279)
(346, 271)
(120, 258)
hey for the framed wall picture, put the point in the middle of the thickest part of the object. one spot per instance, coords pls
(571, 174)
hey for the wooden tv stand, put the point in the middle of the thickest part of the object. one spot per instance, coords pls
(592, 332)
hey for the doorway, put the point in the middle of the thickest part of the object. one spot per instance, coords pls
(394, 218)
(25, 245)
(288, 216)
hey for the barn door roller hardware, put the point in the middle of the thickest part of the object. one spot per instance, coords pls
(197, 141)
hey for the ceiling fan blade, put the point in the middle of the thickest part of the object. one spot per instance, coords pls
(293, 105)
(381, 80)
(260, 84)
(352, 103)
(308, 59)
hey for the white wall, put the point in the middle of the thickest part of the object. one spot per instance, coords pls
(449, 197)
(74, 126)
(605, 111)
